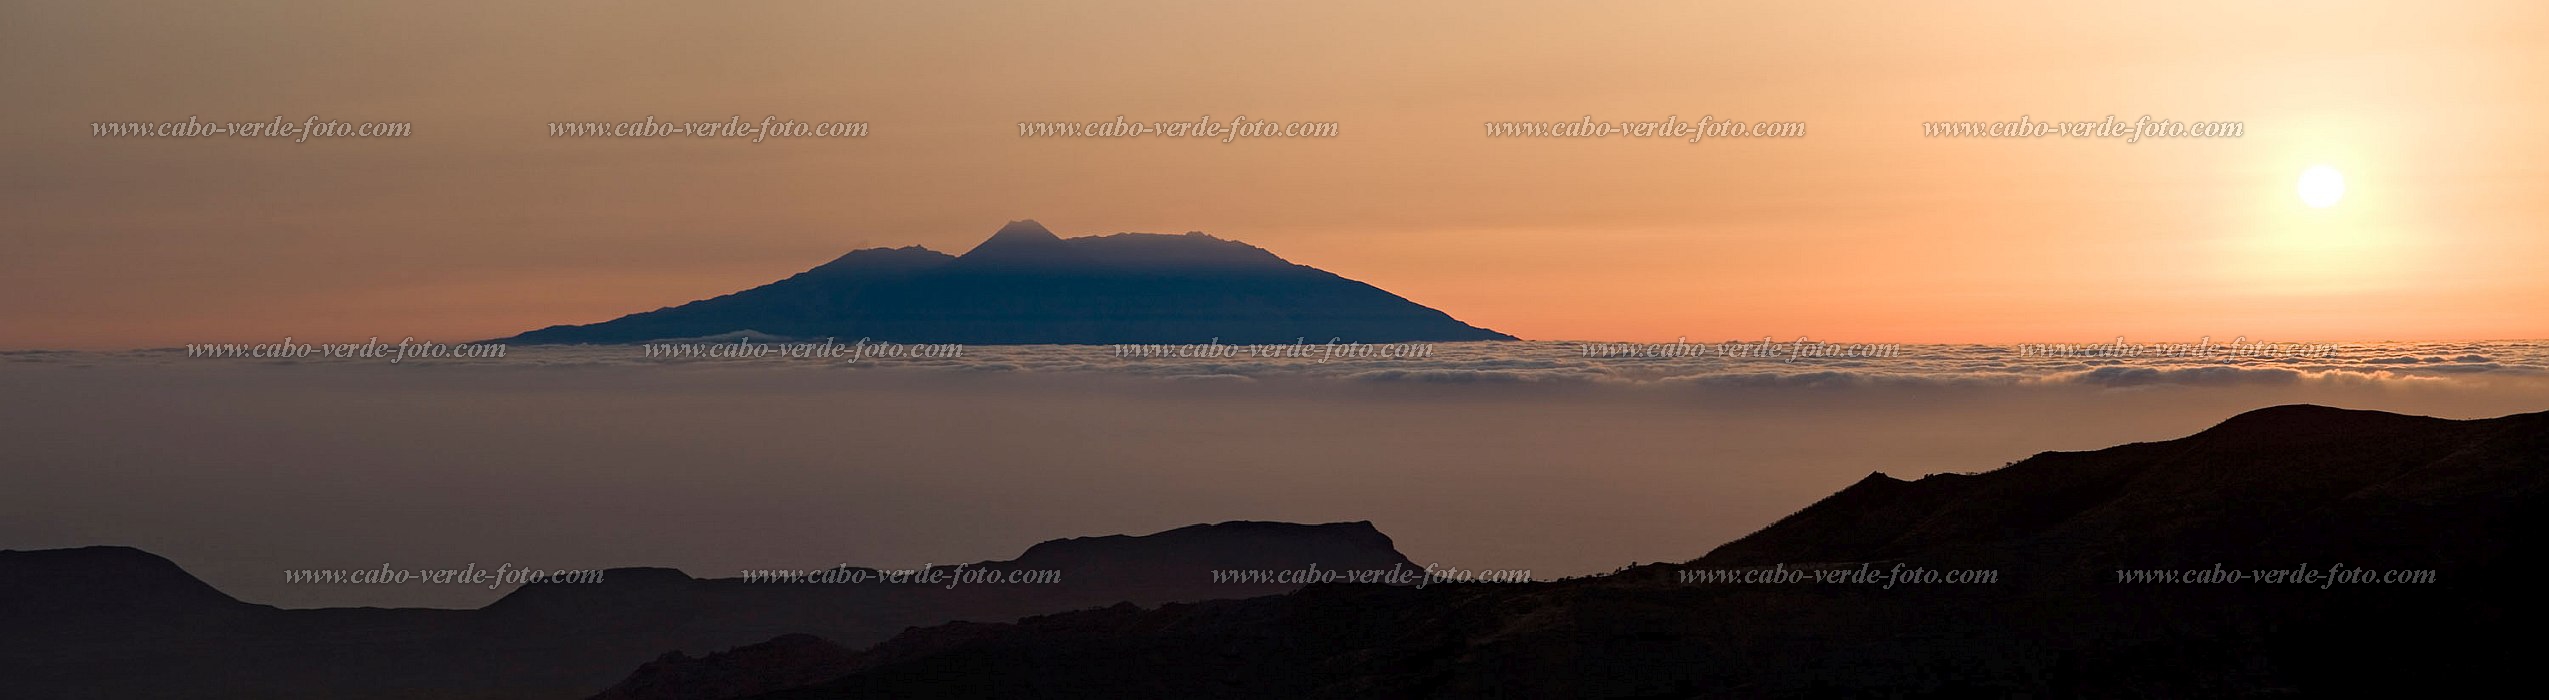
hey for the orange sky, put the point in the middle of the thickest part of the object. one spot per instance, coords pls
(482, 225)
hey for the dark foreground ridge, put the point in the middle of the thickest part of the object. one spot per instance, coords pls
(2277, 488)
(1025, 285)
(117, 622)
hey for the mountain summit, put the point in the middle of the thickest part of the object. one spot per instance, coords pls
(1023, 241)
(1023, 230)
(1026, 285)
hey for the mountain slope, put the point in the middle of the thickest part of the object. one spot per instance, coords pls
(113, 622)
(1026, 285)
(2276, 488)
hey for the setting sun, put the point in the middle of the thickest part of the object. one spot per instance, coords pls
(2321, 187)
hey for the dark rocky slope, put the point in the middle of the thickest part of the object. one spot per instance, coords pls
(113, 622)
(2276, 488)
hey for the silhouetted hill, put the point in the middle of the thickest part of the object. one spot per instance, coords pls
(2278, 488)
(2271, 475)
(125, 576)
(112, 622)
(1026, 285)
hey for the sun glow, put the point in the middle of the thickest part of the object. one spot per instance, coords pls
(2321, 187)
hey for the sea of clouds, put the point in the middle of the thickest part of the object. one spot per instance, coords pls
(1544, 456)
(1762, 363)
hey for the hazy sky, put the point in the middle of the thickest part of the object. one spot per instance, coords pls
(482, 225)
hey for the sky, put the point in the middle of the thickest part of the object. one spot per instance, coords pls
(480, 224)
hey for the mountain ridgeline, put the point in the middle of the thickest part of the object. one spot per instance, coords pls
(117, 622)
(1025, 285)
(2280, 489)
(2069, 610)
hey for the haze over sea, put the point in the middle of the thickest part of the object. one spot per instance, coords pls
(1521, 455)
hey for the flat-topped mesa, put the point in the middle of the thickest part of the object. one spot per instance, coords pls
(119, 581)
(1239, 544)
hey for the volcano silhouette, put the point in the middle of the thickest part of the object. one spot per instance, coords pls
(1024, 285)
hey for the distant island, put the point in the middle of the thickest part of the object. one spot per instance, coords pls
(1025, 285)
